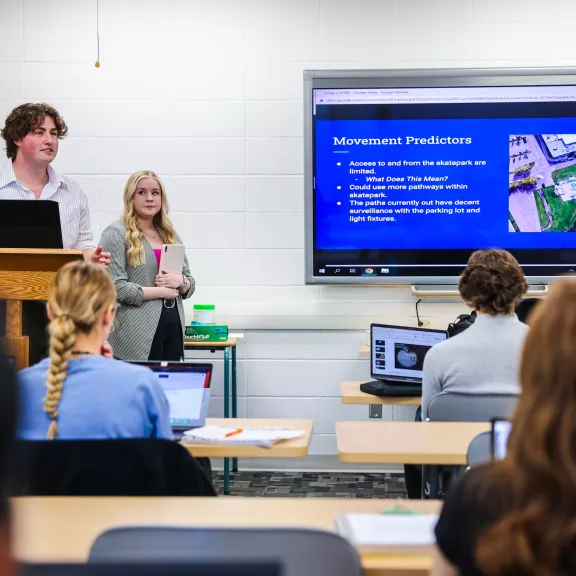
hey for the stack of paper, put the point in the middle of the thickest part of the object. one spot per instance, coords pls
(391, 533)
(264, 437)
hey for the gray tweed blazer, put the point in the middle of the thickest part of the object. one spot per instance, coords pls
(136, 320)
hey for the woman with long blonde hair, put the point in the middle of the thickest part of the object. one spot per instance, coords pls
(80, 392)
(150, 321)
(518, 516)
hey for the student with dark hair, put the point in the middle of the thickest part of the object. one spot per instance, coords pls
(8, 415)
(517, 515)
(483, 359)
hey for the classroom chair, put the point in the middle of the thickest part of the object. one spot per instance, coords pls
(479, 450)
(127, 467)
(190, 568)
(301, 552)
(457, 407)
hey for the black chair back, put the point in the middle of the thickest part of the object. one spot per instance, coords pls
(127, 467)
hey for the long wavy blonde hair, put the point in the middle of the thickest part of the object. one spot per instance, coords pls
(78, 296)
(135, 255)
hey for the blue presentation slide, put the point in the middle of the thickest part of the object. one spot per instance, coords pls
(450, 183)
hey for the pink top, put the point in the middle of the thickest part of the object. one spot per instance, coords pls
(157, 253)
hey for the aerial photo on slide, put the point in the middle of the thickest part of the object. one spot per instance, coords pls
(542, 183)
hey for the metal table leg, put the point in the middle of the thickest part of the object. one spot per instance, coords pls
(234, 400)
(226, 415)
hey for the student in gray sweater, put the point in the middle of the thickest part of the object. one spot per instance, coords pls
(484, 359)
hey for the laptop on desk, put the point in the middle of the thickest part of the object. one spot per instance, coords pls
(30, 224)
(397, 358)
(187, 388)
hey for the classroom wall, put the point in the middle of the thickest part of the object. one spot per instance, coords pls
(208, 93)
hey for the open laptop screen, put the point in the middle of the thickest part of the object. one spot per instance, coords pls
(187, 387)
(397, 352)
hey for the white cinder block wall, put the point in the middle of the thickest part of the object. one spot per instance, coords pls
(208, 93)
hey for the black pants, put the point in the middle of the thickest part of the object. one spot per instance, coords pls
(34, 324)
(412, 472)
(167, 343)
(413, 480)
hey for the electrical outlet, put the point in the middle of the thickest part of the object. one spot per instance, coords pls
(426, 321)
(375, 411)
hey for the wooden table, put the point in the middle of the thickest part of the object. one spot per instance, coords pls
(351, 394)
(296, 448)
(444, 443)
(60, 529)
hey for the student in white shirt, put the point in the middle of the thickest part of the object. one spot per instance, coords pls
(31, 133)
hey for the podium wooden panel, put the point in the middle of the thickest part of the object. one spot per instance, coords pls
(26, 274)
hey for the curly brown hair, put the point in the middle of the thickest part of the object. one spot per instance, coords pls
(493, 282)
(26, 118)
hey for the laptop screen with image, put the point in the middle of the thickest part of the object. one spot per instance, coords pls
(187, 388)
(397, 352)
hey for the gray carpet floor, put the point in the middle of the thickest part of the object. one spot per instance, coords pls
(313, 484)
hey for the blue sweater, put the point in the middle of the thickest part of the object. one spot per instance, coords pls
(101, 399)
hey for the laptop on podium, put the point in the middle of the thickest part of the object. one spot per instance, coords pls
(397, 358)
(30, 224)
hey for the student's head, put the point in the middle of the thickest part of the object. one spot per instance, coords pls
(81, 300)
(145, 204)
(525, 308)
(539, 472)
(493, 282)
(32, 131)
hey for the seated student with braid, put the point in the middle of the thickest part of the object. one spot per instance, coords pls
(80, 392)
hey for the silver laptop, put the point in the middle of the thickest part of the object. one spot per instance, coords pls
(187, 388)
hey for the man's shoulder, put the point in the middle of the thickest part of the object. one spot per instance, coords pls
(71, 185)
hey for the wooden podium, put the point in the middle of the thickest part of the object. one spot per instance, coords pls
(26, 274)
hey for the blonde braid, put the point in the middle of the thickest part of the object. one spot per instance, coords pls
(79, 295)
(62, 339)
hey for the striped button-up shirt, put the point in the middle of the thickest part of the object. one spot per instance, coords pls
(72, 202)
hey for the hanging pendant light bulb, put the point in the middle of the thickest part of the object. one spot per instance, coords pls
(97, 64)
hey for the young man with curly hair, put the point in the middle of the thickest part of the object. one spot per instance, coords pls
(31, 133)
(485, 358)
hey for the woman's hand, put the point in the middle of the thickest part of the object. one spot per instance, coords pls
(169, 293)
(168, 280)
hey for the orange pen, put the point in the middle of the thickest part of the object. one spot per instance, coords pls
(233, 433)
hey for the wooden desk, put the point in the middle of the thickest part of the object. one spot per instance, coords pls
(296, 448)
(364, 351)
(63, 529)
(406, 442)
(351, 394)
